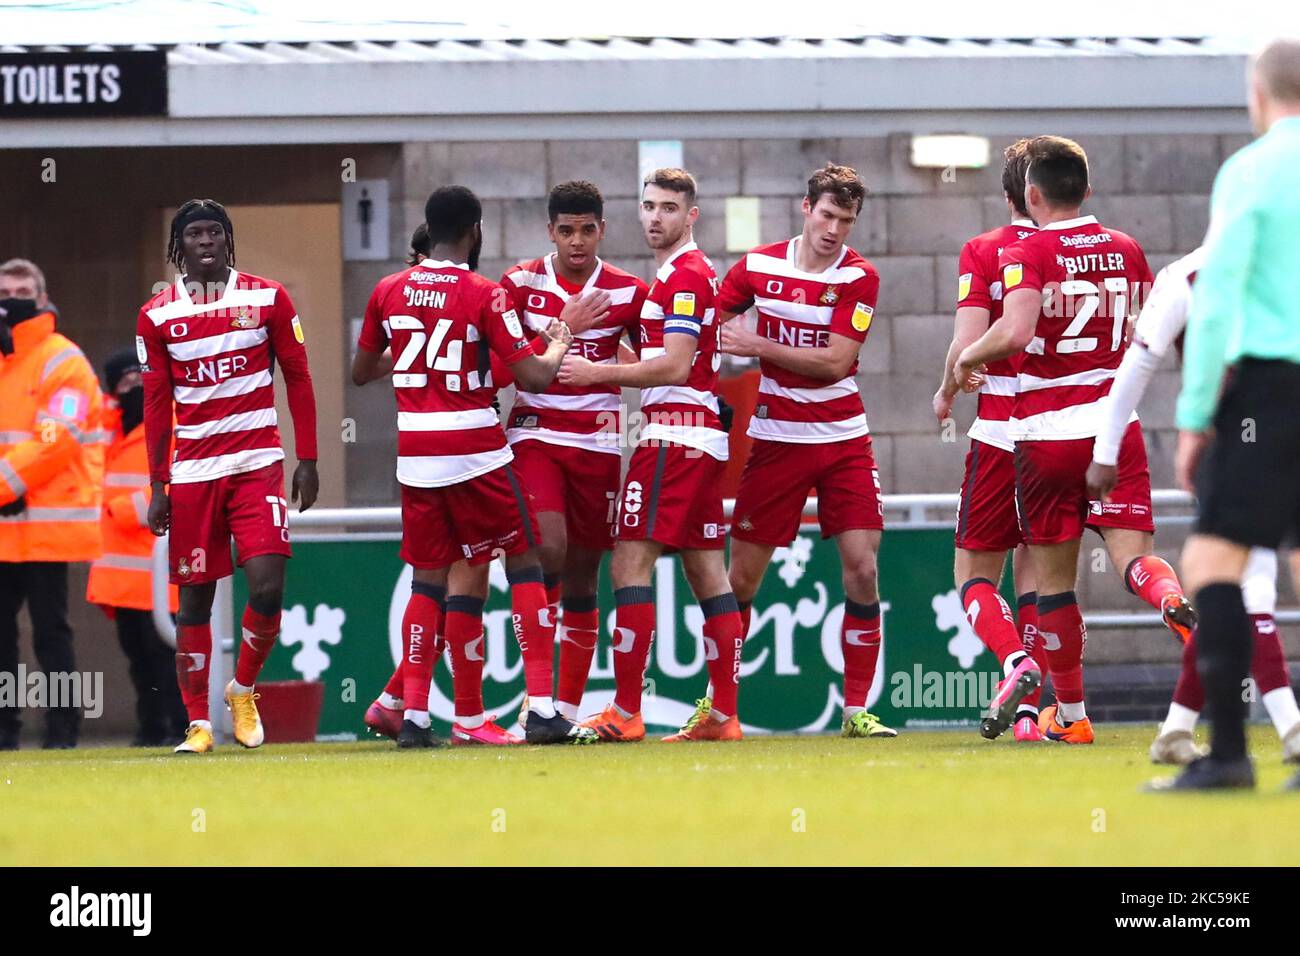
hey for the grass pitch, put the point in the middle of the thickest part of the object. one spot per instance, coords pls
(923, 798)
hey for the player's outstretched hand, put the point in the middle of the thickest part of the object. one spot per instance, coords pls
(576, 370)
(1101, 480)
(586, 310)
(1187, 458)
(306, 484)
(738, 340)
(942, 405)
(159, 514)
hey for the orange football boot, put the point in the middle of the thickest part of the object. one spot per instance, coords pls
(1179, 616)
(613, 726)
(1079, 732)
(706, 728)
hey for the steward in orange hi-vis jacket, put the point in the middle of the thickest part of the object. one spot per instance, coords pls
(51, 469)
(121, 579)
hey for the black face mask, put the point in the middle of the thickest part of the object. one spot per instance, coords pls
(14, 311)
(132, 405)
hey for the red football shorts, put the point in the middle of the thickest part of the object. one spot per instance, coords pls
(249, 507)
(578, 483)
(672, 496)
(986, 513)
(475, 520)
(778, 476)
(1052, 496)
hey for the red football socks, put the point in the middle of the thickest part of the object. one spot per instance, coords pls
(579, 629)
(1188, 692)
(1268, 663)
(1061, 624)
(260, 633)
(463, 626)
(991, 618)
(1027, 624)
(724, 637)
(534, 626)
(860, 644)
(634, 631)
(1151, 578)
(419, 628)
(193, 656)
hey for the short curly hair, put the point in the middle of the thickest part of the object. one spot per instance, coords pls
(577, 197)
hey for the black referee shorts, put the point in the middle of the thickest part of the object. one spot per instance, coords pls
(1249, 479)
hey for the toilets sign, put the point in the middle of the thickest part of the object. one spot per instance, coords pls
(53, 85)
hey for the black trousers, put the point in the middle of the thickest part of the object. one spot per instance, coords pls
(158, 708)
(43, 587)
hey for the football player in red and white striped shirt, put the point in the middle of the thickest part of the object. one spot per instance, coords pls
(1068, 290)
(815, 299)
(671, 496)
(208, 345)
(460, 496)
(987, 527)
(566, 439)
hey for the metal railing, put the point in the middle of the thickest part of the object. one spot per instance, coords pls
(916, 511)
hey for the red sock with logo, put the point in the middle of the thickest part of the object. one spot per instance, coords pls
(260, 633)
(579, 631)
(534, 627)
(1151, 578)
(1268, 663)
(463, 625)
(1188, 692)
(634, 631)
(1027, 624)
(991, 618)
(723, 629)
(860, 644)
(193, 658)
(419, 631)
(1060, 623)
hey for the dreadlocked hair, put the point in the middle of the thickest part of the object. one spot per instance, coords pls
(192, 211)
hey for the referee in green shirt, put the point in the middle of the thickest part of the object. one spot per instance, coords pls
(1246, 313)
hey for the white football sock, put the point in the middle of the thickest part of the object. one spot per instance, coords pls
(1069, 713)
(1281, 706)
(471, 723)
(719, 716)
(388, 700)
(418, 717)
(541, 706)
(1014, 658)
(850, 711)
(206, 725)
(621, 712)
(568, 710)
(237, 688)
(1180, 718)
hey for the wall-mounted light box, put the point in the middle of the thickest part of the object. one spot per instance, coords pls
(945, 151)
